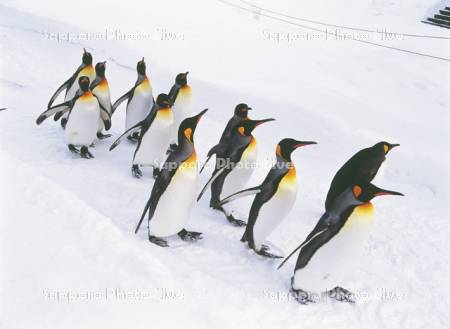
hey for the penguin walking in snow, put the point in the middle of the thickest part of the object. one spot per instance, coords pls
(71, 85)
(274, 198)
(335, 245)
(181, 98)
(234, 167)
(83, 111)
(362, 167)
(139, 101)
(173, 193)
(240, 114)
(154, 133)
(100, 89)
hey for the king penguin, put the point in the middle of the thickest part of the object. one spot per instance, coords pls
(100, 88)
(234, 167)
(335, 245)
(274, 198)
(362, 167)
(154, 137)
(139, 100)
(71, 84)
(181, 98)
(240, 114)
(173, 193)
(82, 123)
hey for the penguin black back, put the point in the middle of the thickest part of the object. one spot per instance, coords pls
(361, 167)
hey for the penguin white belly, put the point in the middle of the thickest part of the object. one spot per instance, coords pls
(240, 175)
(153, 146)
(139, 107)
(105, 99)
(330, 264)
(273, 212)
(81, 128)
(174, 206)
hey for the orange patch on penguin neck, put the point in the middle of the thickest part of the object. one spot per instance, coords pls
(86, 95)
(165, 113)
(366, 209)
(190, 164)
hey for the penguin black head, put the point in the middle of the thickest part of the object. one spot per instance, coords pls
(384, 147)
(87, 57)
(100, 69)
(366, 191)
(241, 110)
(181, 79)
(188, 126)
(163, 101)
(287, 145)
(84, 83)
(246, 127)
(140, 67)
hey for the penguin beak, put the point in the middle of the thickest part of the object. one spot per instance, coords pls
(300, 144)
(104, 62)
(84, 49)
(391, 146)
(186, 73)
(249, 109)
(199, 116)
(142, 60)
(260, 122)
(381, 192)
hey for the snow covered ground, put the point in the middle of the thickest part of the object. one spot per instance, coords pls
(68, 256)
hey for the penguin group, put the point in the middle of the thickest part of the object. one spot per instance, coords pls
(163, 130)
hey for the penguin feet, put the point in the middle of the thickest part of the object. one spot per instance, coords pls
(341, 294)
(136, 171)
(234, 221)
(158, 241)
(189, 235)
(63, 123)
(230, 217)
(84, 152)
(100, 135)
(134, 137)
(156, 172)
(73, 149)
(172, 147)
(303, 297)
(264, 251)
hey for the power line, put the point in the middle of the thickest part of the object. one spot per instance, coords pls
(342, 26)
(334, 34)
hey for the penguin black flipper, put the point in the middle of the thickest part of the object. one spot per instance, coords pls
(65, 86)
(162, 181)
(60, 108)
(240, 194)
(126, 96)
(104, 115)
(216, 149)
(327, 227)
(216, 173)
(135, 128)
(267, 190)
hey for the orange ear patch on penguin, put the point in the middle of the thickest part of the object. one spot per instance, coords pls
(357, 190)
